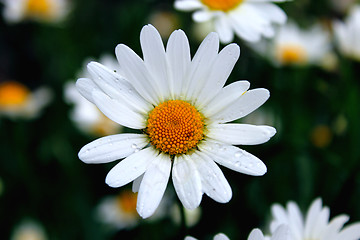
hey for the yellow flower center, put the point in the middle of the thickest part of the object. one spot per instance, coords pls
(175, 127)
(13, 94)
(127, 202)
(222, 5)
(292, 54)
(38, 7)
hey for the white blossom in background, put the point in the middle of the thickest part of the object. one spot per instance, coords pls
(39, 10)
(181, 110)
(294, 46)
(87, 117)
(119, 211)
(219, 236)
(347, 34)
(315, 224)
(248, 19)
(28, 230)
(281, 233)
(18, 101)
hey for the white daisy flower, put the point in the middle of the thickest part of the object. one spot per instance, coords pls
(17, 101)
(41, 10)
(315, 224)
(294, 46)
(219, 236)
(182, 110)
(347, 34)
(248, 19)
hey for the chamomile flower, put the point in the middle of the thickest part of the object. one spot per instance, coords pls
(347, 34)
(40, 10)
(248, 19)
(294, 46)
(315, 224)
(17, 101)
(182, 109)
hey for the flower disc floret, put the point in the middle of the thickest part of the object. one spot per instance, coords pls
(175, 127)
(13, 94)
(222, 5)
(38, 7)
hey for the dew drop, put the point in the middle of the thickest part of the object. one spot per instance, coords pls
(134, 146)
(238, 154)
(137, 150)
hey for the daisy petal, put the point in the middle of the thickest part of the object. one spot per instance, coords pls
(221, 236)
(219, 73)
(240, 134)
(110, 148)
(350, 232)
(225, 97)
(202, 16)
(118, 111)
(178, 55)
(281, 233)
(226, 34)
(136, 184)
(272, 12)
(155, 60)
(256, 234)
(334, 227)
(199, 69)
(214, 183)
(153, 185)
(296, 224)
(115, 86)
(279, 215)
(320, 223)
(85, 87)
(187, 181)
(187, 5)
(245, 104)
(233, 158)
(311, 216)
(130, 168)
(134, 70)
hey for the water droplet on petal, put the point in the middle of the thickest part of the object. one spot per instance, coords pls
(134, 146)
(238, 154)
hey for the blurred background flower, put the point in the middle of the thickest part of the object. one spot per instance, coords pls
(315, 110)
(39, 10)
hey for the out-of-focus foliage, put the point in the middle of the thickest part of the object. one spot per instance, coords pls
(315, 152)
